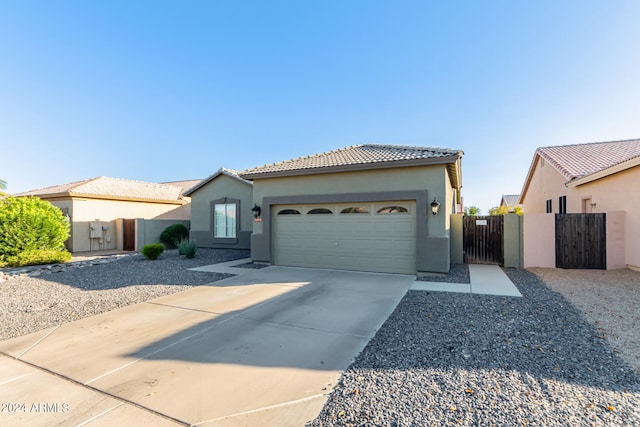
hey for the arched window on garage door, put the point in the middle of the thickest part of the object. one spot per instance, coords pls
(393, 210)
(320, 211)
(289, 212)
(354, 210)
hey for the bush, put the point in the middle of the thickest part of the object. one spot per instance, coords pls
(29, 224)
(153, 250)
(174, 234)
(187, 248)
(36, 257)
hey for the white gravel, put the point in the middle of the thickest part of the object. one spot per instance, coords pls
(71, 292)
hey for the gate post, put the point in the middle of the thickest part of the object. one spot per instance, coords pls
(513, 241)
(457, 248)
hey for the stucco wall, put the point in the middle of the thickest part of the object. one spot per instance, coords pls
(512, 243)
(417, 183)
(202, 217)
(104, 213)
(615, 193)
(618, 193)
(148, 231)
(546, 183)
(539, 245)
(430, 178)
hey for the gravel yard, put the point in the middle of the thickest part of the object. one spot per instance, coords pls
(480, 360)
(29, 304)
(566, 354)
(609, 299)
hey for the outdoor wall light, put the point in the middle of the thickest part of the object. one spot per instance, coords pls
(256, 211)
(435, 205)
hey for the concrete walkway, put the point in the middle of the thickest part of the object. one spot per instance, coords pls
(262, 348)
(485, 280)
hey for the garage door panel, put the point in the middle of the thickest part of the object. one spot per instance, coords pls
(367, 242)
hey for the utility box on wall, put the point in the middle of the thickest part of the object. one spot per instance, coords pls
(95, 230)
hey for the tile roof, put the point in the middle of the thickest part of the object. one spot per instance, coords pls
(355, 156)
(580, 160)
(511, 199)
(184, 185)
(105, 187)
(222, 171)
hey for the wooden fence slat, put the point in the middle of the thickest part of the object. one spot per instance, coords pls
(581, 241)
(483, 244)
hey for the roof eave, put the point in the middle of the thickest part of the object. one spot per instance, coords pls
(527, 180)
(127, 198)
(352, 168)
(604, 173)
(205, 181)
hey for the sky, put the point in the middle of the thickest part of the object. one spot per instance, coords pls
(173, 90)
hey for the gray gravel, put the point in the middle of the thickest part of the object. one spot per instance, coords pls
(479, 360)
(458, 273)
(29, 304)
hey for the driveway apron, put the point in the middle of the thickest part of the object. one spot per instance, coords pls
(260, 348)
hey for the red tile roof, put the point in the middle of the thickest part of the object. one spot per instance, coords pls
(580, 160)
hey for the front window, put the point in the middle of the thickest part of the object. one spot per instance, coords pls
(224, 220)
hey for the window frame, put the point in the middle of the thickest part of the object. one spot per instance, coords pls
(549, 203)
(227, 239)
(562, 205)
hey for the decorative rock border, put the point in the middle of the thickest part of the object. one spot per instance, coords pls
(39, 270)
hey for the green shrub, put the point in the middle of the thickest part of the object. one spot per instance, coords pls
(174, 234)
(29, 224)
(35, 257)
(187, 248)
(152, 250)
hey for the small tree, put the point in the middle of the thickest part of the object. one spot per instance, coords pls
(29, 224)
(472, 211)
(3, 186)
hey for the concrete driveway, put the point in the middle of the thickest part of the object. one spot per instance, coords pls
(261, 348)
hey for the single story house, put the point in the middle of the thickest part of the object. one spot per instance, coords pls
(601, 177)
(510, 201)
(380, 208)
(97, 207)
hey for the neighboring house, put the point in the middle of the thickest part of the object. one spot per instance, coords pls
(97, 207)
(510, 201)
(600, 177)
(366, 207)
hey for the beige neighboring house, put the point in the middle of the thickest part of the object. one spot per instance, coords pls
(601, 177)
(365, 207)
(97, 208)
(510, 201)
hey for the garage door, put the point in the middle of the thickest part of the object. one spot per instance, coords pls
(378, 237)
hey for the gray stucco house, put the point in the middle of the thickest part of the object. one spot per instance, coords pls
(365, 207)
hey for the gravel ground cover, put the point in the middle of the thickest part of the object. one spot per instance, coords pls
(458, 273)
(29, 304)
(480, 360)
(609, 299)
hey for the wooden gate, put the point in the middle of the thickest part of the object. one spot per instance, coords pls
(129, 234)
(581, 241)
(482, 239)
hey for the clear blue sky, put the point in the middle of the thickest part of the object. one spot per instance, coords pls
(171, 90)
